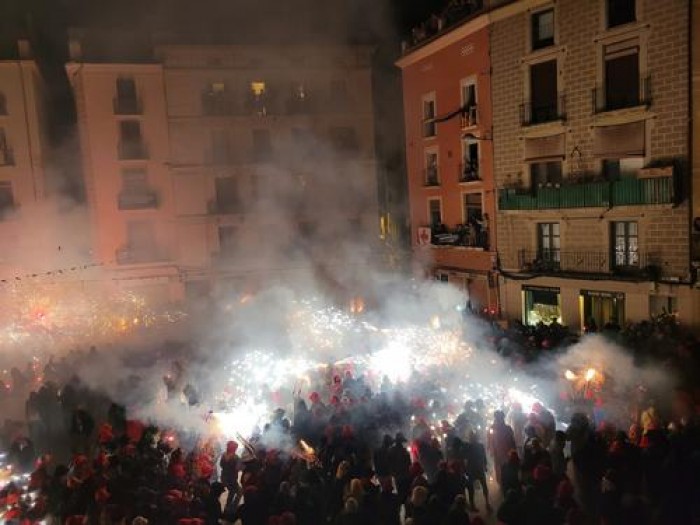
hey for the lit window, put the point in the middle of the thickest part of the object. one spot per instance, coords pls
(258, 88)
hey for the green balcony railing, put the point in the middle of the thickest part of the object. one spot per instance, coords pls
(623, 192)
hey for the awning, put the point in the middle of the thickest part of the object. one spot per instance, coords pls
(622, 140)
(545, 148)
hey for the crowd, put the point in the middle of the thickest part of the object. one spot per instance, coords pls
(379, 457)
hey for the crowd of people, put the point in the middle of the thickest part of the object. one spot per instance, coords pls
(378, 457)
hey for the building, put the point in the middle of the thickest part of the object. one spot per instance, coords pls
(591, 160)
(23, 145)
(218, 167)
(449, 155)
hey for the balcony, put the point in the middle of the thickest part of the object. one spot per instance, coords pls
(533, 114)
(555, 262)
(636, 96)
(7, 157)
(605, 194)
(142, 255)
(215, 207)
(132, 151)
(127, 106)
(215, 104)
(469, 117)
(462, 235)
(141, 200)
(468, 172)
(431, 177)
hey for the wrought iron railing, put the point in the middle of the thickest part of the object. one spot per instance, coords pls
(604, 100)
(552, 261)
(540, 113)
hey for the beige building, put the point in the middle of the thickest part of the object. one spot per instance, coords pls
(23, 145)
(228, 164)
(591, 149)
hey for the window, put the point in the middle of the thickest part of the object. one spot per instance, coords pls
(227, 239)
(622, 82)
(429, 114)
(541, 305)
(7, 200)
(472, 208)
(621, 12)
(434, 212)
(614, 169)
(221, 153)
(625, 244)
(442, 277)
(344, 139)
(469, 113)
(126, 102)
(602, 310)
(469, 170)
(262, 145)
(3, 104)
(131, 145)
(258, 97)
(543, 93)
(215, 100)
(542, 29)
(226, 190)
(432, 171)
(6, 158)
(548, 244)
(134, 181)
(545, 173)
(663, 305)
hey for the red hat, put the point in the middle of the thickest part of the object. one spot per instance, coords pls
(178, 470)
(314, 397)
(105, 434)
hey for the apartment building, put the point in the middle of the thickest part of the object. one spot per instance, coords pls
(23, 145)
(591, 160)
(211, 167)
(449, 156)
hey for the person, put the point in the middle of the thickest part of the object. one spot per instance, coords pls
(350, 514)
(475, 456)
(382, 463)
(400, 466)
(501, 441)
(229, 470)
(416, 507)
(389, 504)
(81, 427)
(458, 513)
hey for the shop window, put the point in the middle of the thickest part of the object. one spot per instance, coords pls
(541, 305)
(602, 310)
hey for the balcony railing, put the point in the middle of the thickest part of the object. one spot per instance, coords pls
(639, 95)
(431, 176)
(214, 104)
(464, 235)
(141, 200)
(623, 192)
(7, 157)
(132, 151)
(127, 106)
(531, 114)
(469, 117)
(215, 207)
(468, 172)
(132, 255)
(552, 261)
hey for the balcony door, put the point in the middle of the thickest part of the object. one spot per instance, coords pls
(549, 244)
(625, 245)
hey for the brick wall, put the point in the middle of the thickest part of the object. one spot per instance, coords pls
(663, 228)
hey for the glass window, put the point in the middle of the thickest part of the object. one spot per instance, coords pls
(472, 208)
(541, 305)
(544, 173)
(7, 201)
(602, 310)
(621, 12)
(622, 82)
(126, 88)
(5, 151)
(432, 172)
(470, 161)
(130, 131)
(548, 244)
(625, 243)
(429, 126)
(543, 92)
(542, 29)
(435, 212)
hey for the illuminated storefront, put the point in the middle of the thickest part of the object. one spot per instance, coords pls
(541, 304)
